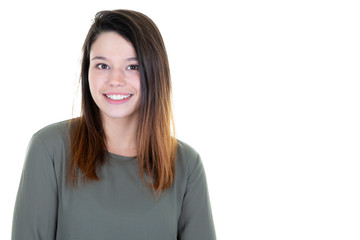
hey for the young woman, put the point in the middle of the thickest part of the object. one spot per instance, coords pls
(116, 172)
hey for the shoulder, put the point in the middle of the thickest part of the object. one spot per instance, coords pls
(53, 129)
(52, 136)
(48, 147)
(187, 158)
(53, 132)
(185, 151)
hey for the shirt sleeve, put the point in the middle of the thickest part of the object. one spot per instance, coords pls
(196, 221)
(35, 213)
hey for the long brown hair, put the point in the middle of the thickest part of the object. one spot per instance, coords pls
(156, 146)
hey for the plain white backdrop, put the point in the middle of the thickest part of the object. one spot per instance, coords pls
(266, 91)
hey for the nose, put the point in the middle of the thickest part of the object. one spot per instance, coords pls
(117, 78)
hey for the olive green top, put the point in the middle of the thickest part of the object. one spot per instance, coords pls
(119, 206)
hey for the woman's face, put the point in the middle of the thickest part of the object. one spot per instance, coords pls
(114, 77)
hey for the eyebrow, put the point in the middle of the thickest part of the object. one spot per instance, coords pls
(104, 58)
(132, 59)
(99, 58)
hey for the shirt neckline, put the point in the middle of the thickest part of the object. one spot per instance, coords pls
(119, 157)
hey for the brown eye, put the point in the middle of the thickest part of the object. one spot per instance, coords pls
(133, 67)
(103, 66)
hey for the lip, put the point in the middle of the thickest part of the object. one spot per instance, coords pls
(116, 102)
(118, 93)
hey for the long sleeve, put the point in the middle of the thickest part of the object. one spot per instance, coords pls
(196, 221)
(117, 206)
(35, 213)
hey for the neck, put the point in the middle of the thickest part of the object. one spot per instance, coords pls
(121, 135)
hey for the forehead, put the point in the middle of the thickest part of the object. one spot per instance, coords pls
(111, 44)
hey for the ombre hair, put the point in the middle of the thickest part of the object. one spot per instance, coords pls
(156, 146)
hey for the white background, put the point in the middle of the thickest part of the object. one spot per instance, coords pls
(266, 91)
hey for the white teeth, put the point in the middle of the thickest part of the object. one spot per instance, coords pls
(118, 97)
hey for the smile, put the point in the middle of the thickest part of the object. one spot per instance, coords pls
(118, 97)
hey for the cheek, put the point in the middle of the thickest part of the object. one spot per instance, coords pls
(93, 84)
(138, 87)
(137, 83)
(95, 79)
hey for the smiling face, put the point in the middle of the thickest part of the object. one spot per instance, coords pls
(114, 78)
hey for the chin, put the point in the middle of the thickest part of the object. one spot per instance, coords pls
(119, 115)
